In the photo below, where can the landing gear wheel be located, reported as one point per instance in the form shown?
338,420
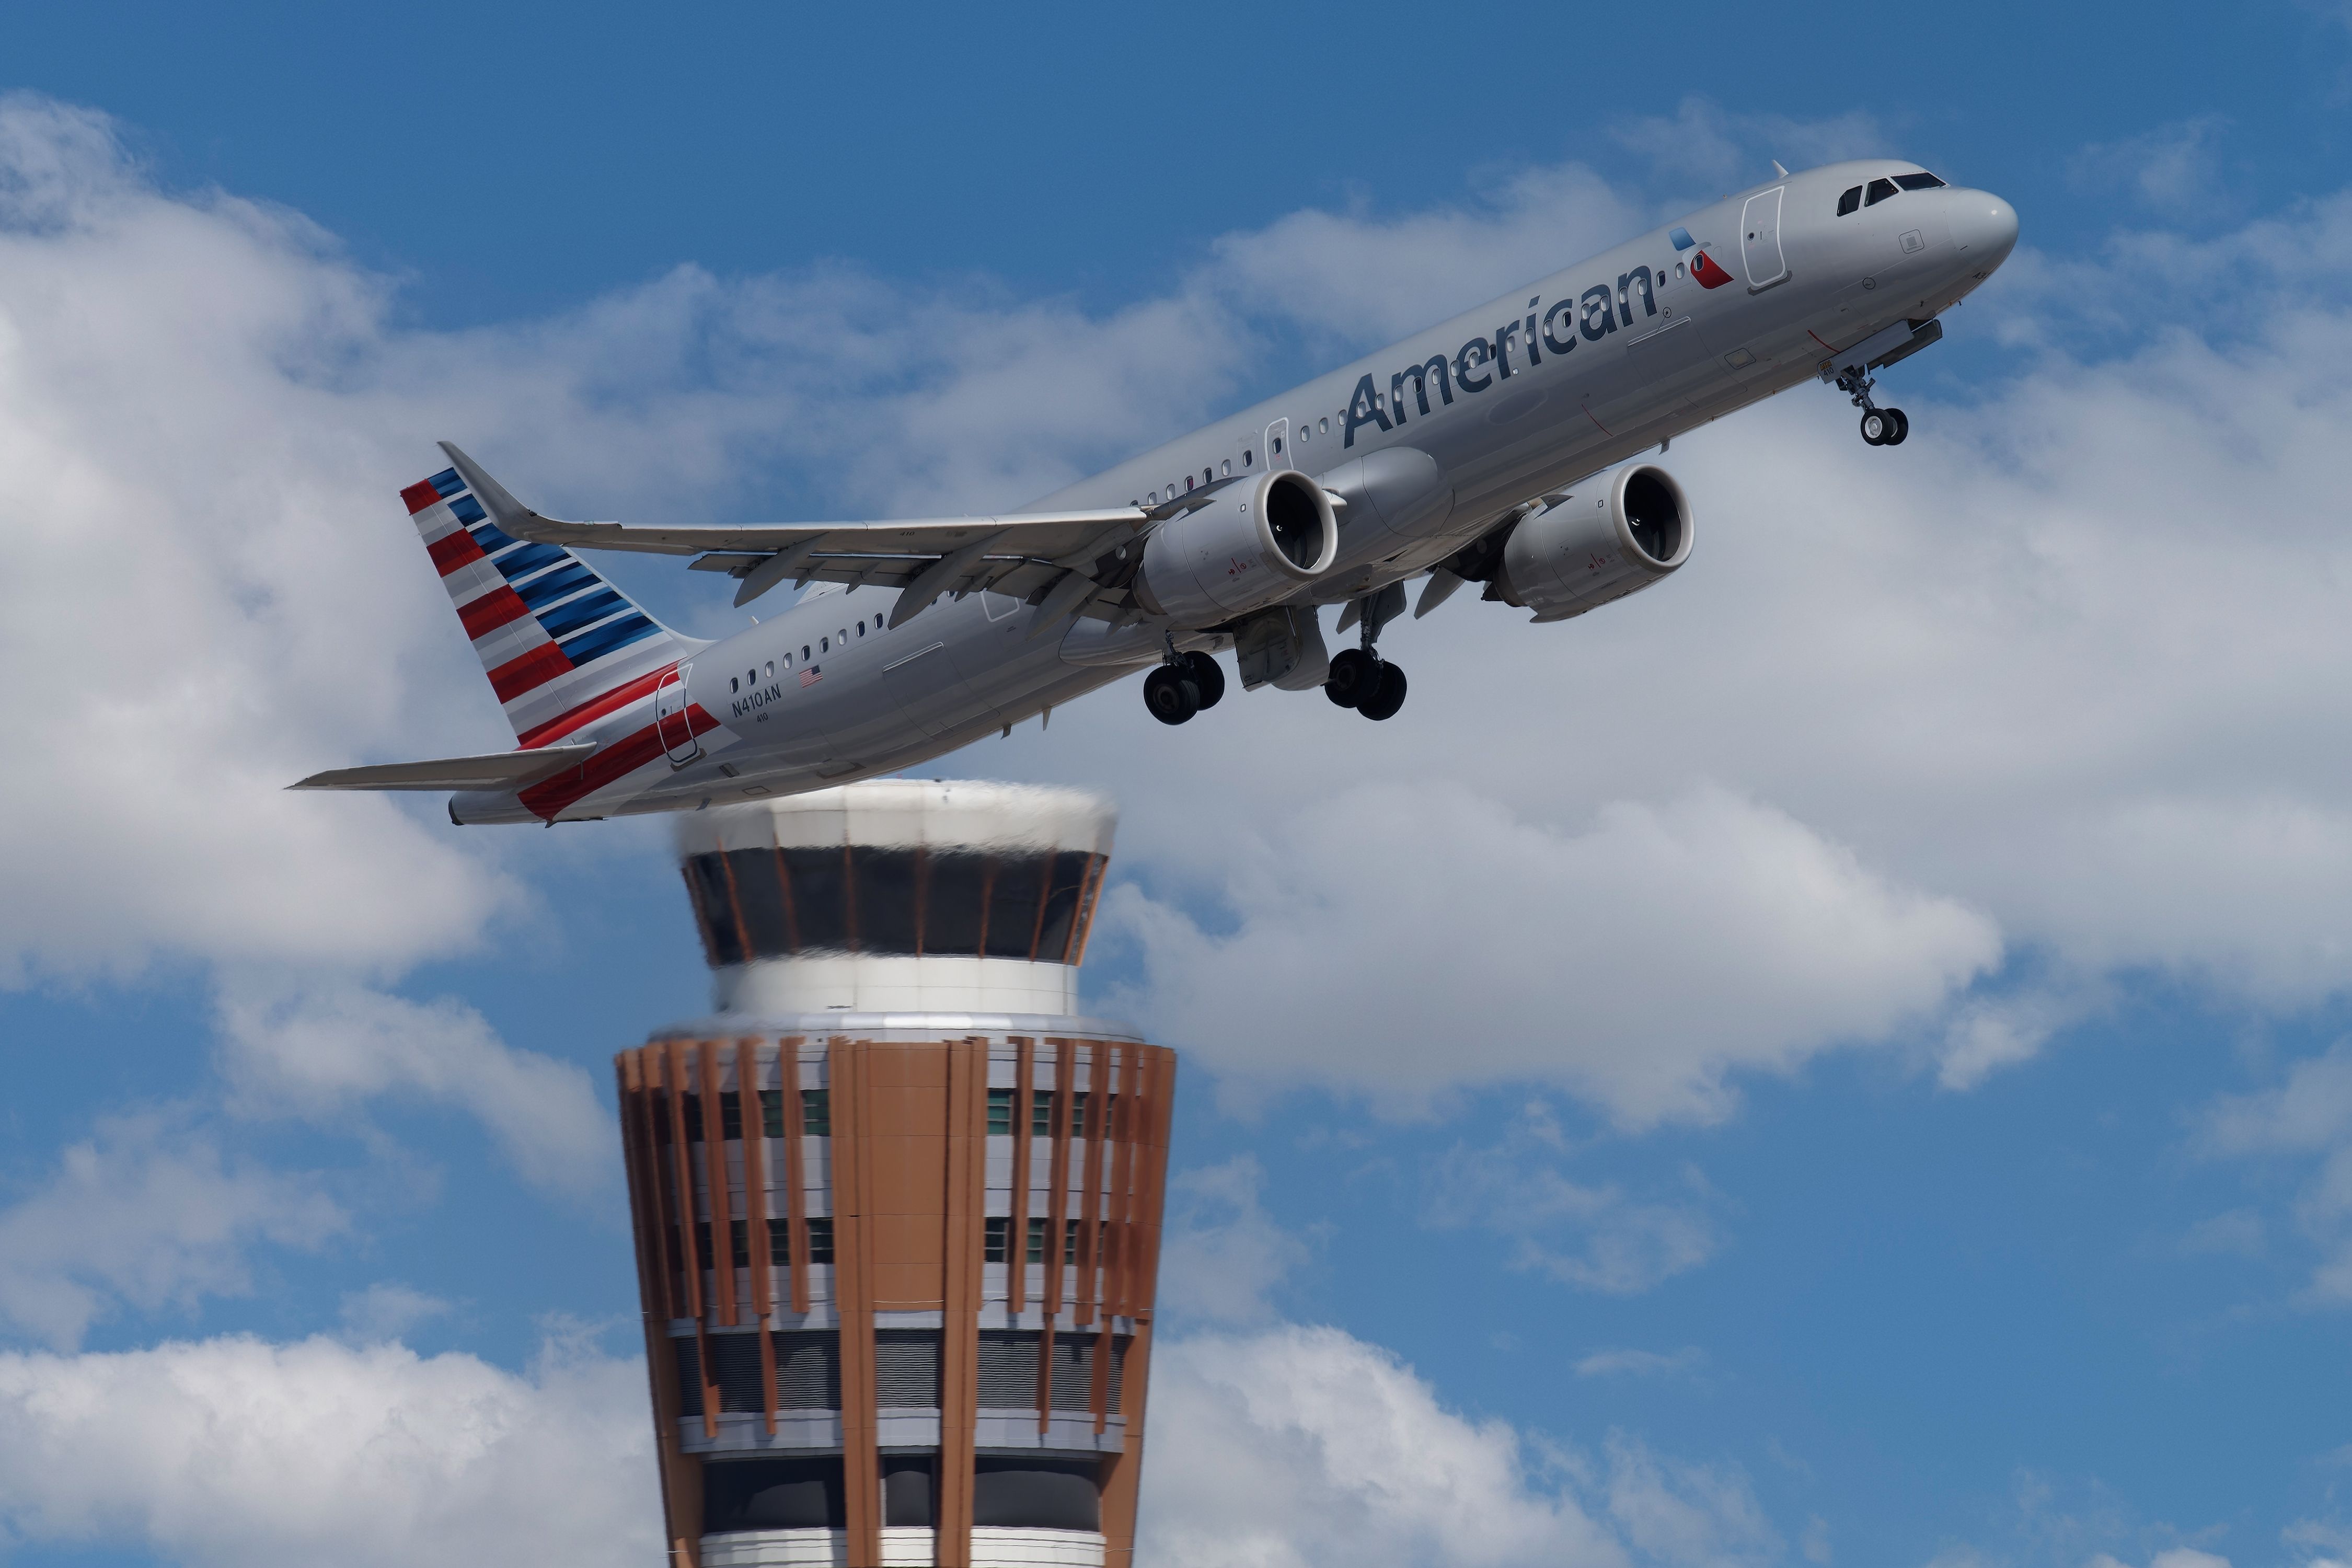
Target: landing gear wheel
1878,426
1171,695
1355,675
1384,699
1208,676
1902,425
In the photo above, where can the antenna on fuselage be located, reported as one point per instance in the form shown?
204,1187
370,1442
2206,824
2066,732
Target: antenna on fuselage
1778,169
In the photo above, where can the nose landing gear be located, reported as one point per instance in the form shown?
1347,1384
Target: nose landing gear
1886,426
1880,427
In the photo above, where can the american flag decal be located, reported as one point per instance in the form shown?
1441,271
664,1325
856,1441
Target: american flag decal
812,675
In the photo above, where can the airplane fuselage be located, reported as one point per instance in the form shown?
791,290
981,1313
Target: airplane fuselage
1430,441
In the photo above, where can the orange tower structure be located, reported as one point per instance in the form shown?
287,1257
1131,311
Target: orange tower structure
896,1205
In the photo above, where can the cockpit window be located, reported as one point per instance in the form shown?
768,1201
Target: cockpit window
1921,181
1879,191
1848,202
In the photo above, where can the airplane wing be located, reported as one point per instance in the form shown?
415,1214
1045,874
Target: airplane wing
498,770
1052,555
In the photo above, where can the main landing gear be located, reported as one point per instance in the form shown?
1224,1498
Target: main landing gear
1880,427
1361,678
1182,686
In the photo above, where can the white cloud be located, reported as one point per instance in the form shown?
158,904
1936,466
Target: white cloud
2174,169
388,1311
1594,1237
194,590
1303,1447
1414,937
320,1052
2308,1115
151,1213
2172,1557
1640,1363
233,1451
1222,1253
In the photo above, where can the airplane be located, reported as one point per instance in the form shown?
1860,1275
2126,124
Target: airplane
1496,448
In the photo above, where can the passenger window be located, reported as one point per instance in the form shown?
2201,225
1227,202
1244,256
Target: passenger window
1188,484
1850,201
861,628
750,677
1678,269
1228,465
1153,498
1324,425
804,653
1920,182
843,634
1879,191
1248,457
1208,476
733,684
1278,445
772,670
825,645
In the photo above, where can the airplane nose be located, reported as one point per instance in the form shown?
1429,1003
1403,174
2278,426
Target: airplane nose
1984,227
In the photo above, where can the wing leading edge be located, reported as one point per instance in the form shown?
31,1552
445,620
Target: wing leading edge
1040,556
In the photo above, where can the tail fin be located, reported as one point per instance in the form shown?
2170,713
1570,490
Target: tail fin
561,646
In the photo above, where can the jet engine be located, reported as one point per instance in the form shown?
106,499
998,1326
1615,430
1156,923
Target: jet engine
1250,547
1589,549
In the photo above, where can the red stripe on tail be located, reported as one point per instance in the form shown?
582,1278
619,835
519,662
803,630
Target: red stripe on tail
454,550
491,611
419,496
531,671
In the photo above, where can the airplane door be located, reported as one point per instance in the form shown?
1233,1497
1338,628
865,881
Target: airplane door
670,724
1277,447
1759,241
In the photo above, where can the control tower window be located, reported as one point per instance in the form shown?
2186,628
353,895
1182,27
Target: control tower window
1919,182
820,1232
1850,201
1032,906
1879,191
1000,1112
1024,1493
774,1494
996,1234
816,1119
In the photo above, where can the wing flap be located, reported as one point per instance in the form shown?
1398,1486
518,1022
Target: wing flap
497,770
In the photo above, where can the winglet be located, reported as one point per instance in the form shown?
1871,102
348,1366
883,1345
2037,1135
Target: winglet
504,509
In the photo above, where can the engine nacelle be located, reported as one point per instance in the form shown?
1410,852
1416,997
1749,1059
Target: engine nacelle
1250,547
1589,549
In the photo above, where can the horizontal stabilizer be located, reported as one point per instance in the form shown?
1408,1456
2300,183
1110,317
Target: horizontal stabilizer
498,770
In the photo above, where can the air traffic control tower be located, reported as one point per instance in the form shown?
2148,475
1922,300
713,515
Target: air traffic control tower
896,1205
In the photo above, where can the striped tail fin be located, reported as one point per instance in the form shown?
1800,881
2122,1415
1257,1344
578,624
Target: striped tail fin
561,646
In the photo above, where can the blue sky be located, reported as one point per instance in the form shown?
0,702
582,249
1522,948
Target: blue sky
1891,978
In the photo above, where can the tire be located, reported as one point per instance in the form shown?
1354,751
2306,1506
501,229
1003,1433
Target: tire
1875,426
1383,702
1171,695
1354,675
1902,426
1207,675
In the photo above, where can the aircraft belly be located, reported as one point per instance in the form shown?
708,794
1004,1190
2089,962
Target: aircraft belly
926,674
